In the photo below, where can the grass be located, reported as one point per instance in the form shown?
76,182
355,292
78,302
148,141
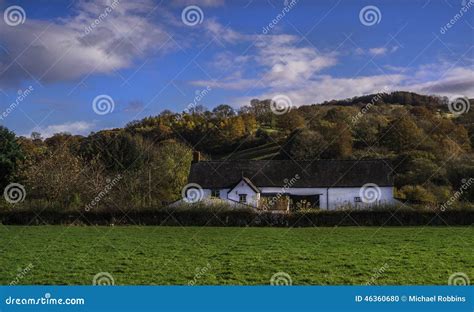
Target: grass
239,256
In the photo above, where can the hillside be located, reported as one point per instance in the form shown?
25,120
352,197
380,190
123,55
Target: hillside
426,140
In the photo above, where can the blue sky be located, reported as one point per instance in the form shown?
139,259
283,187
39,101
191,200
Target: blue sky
147,56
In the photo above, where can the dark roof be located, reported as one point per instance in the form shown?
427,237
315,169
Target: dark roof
278,173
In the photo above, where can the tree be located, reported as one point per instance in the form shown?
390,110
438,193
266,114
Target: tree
55,177
36,136
339,114
160,179
237,128
419,171
118,150
403,135
198,109
223,111
250,123
367,130
290,121
261,110
64,139
10,156
339,140
305,144
460,175
166,112
417,193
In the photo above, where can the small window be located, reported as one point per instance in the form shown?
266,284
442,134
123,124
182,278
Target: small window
357,199
215,193
242,198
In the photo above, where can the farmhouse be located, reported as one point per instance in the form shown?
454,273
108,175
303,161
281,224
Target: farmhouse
290,185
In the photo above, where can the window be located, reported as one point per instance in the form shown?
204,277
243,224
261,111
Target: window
242,198
357,199
215,193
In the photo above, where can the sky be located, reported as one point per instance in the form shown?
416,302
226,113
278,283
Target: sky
82,66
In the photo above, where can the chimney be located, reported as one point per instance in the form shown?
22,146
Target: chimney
196,157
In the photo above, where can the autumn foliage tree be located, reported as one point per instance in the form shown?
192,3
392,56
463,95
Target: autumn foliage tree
429,148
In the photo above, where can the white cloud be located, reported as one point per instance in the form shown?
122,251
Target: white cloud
455,81
71,47
359,51
203,3
399,69
222,33
77,127
378,51
288,63
281,61
281,64
327,88
230,84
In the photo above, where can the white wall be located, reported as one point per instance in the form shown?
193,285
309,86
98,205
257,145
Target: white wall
345,196
252,197
243,188
339,196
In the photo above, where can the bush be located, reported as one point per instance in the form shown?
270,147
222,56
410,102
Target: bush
245,217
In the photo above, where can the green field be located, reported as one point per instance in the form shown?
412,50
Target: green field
242,256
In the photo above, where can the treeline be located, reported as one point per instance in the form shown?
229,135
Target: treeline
112,170
145,164
399,97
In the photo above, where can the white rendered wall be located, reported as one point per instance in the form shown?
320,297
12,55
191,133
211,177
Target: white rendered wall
339,196
344,196
243,188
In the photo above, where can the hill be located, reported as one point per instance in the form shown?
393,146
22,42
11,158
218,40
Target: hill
426,140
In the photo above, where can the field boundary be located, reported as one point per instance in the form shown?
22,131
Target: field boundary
241,218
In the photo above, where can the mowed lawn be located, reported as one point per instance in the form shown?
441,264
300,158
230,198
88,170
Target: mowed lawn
237,256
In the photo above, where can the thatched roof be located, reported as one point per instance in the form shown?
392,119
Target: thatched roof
278,173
